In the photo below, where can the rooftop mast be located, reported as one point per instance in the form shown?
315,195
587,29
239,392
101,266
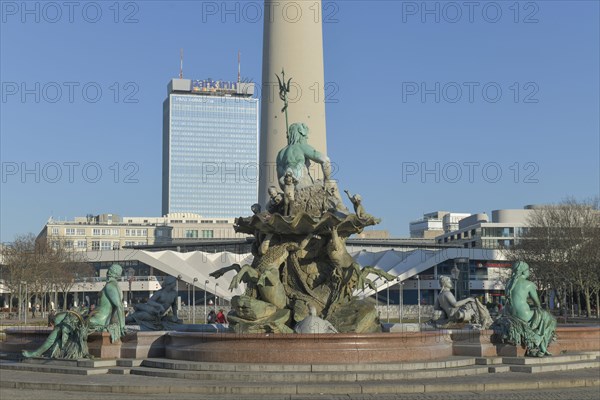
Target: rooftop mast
239,67
181,64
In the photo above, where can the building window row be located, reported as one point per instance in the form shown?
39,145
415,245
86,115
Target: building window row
75,231
105,232
191,233
498,232
136,232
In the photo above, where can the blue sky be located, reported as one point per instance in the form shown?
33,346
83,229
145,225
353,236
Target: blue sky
510,89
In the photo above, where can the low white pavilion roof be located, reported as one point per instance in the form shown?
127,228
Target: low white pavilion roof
403,264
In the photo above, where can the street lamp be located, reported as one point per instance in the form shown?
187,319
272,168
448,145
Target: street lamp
388,302
26,305
216,297
177,297
572,302
205,283
455,272
194,301
419,297
130,273
84,282
189,289
400,298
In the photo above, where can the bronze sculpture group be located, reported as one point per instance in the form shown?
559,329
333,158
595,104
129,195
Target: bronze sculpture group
302,277
523,322
300,257
301,266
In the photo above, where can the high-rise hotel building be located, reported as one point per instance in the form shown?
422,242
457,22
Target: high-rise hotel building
210,148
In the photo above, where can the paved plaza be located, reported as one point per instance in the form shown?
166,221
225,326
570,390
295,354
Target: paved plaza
591,393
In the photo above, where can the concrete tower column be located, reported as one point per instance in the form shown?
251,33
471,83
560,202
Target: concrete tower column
293,40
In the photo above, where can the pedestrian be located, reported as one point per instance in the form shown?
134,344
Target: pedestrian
211,318
51,317
221,318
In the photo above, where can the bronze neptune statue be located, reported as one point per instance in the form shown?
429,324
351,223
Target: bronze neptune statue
301,269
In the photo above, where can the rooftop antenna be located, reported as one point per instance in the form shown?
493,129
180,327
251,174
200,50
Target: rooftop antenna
180,63
239,67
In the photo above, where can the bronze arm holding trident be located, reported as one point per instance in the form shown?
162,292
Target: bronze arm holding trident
284,89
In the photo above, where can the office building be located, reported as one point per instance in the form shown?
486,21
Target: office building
210,148
112,232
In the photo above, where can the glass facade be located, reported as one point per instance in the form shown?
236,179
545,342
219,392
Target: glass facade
498,232
212,160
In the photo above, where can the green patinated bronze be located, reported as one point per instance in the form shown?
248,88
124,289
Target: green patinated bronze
154,314
302,270
69,337
295,158
450,312
522,324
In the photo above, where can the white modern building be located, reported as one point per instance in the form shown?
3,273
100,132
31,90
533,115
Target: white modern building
435,223
477,231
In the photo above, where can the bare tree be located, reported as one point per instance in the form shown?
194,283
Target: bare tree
67,265
562,245
41,266
19,257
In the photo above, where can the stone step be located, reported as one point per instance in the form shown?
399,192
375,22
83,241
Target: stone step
10,356
87,363
549,360
307,377
536,368
422,374
48,361
488,360
453,362
308,374
52,368
84,362
498,369
129,362
140,386
119,370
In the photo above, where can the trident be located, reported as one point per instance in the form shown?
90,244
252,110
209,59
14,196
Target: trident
284,89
